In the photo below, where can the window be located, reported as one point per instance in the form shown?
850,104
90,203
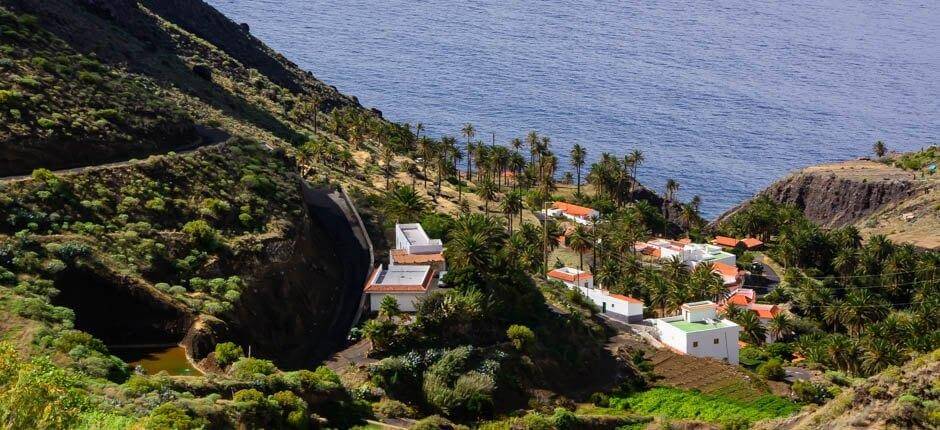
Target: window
612,304
694,344
715,341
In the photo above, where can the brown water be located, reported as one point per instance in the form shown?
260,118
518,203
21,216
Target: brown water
156,358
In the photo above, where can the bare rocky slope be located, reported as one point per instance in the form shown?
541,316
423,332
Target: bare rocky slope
876,197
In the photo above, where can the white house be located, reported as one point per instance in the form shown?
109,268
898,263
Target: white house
578,214
617,306
690,253
414,247
699,332
406,283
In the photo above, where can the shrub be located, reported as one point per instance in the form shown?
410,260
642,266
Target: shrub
10,98
171,416
202,234
251,368
156,204
521,336
393,409
810,392
564,419
600,400
436,422
772,370
227,353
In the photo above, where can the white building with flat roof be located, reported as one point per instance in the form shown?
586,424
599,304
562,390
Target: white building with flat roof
690,253
406,283
699,332
617,306
414,247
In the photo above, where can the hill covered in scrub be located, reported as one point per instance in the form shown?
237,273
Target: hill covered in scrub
897,196
906,397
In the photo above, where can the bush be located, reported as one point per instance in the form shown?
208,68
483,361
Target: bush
202,234
436,422
171,416
521,337
600,400
393,409
564,419
772,370
810,392
227,353
252,368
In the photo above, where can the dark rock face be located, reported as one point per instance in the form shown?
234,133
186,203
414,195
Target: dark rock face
835,202
303,291
832,201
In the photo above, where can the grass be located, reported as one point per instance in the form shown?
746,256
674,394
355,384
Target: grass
680,404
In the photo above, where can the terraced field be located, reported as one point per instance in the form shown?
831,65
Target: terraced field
705,375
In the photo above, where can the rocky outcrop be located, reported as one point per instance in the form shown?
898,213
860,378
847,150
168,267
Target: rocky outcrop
304,289
842,194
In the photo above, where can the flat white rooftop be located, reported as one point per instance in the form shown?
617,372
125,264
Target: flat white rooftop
415,235
403,275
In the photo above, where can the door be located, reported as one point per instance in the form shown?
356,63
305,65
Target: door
604,308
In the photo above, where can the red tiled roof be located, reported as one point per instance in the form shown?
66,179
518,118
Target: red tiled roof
626,298
725,269
685,241
765,311
738,300
653,251
564,276
751,243
402,256
729,242
573,210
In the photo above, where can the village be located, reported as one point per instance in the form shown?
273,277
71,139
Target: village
417,265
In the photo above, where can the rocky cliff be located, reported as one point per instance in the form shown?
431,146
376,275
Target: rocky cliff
876,197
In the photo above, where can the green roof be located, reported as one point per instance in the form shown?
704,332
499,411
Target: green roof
690,327
717,256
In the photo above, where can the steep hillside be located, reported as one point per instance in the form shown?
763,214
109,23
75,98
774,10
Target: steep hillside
898,398
87,82
878,197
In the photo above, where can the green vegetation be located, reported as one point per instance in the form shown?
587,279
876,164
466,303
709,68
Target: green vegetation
918,161
680,404
858,308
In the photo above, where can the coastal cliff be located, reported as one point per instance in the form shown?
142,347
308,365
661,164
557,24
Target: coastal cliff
875,196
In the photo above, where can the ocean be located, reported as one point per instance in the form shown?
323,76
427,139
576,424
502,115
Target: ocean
724,96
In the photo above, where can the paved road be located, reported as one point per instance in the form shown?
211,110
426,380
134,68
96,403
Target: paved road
209,137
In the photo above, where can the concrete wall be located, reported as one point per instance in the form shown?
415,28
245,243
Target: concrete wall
406,301
627,311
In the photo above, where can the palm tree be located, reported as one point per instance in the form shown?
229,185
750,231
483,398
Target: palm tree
387,156
878,354
474,241
346,159
880,149
636,158
580,241
419,127
532,140
469,132
426,152
404,204
577,160
751,327
487,191
780,325
512,205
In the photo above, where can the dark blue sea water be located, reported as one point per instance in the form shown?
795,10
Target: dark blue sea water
725,96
